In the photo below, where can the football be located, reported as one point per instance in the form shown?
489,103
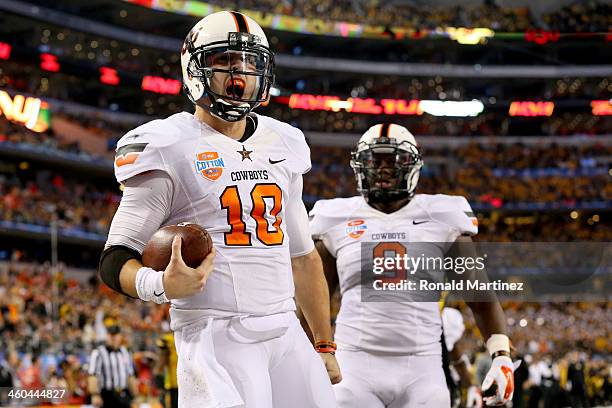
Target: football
196,245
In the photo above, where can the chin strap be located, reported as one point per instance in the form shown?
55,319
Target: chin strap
230,112
225,110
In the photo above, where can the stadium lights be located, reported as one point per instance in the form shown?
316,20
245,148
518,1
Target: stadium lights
384,106
5,51
470,36
417,107
601,108
452,108
48,62
401,107
335,104
530,108
28,111
274,91
109,76
161,85
542,37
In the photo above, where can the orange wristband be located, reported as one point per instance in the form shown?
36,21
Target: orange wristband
325,347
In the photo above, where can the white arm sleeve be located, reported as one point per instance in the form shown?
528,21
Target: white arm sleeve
145,205
300,241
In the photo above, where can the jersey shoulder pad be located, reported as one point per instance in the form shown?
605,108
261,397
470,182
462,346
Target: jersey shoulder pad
325,214
294,140
140,149
455,211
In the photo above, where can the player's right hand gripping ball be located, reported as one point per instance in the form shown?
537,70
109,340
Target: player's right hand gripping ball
196,244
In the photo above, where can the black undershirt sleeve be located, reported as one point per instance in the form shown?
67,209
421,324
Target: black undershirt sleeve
111,262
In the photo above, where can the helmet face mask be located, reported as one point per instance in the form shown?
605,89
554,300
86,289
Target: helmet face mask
229,77
385,169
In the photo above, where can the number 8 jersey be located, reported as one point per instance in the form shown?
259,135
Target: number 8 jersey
247,194
394,327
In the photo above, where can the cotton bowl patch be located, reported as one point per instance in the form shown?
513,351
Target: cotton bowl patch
209,165
356,228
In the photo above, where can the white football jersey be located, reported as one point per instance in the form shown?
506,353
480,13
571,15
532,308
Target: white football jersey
343,224
239,192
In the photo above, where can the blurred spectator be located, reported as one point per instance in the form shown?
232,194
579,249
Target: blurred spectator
576,382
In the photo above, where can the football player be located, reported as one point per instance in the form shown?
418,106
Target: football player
390,352
239,175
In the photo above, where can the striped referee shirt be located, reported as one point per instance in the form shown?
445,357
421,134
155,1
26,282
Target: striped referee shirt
111,367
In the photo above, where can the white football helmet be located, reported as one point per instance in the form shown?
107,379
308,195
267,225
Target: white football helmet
387,163
226,59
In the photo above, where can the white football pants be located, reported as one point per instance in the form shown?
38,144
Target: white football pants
390,381
251,362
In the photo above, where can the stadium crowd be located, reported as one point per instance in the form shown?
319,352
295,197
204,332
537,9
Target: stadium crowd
399,14
49,324
589,16
49,142
493,177
578,16
43,197
485,174
13,134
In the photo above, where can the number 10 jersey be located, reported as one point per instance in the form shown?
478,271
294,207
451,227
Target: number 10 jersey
245,193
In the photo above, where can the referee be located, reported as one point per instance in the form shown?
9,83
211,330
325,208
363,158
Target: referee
111,373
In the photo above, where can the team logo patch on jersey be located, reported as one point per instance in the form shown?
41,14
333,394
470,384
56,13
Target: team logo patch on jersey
356,228
209,165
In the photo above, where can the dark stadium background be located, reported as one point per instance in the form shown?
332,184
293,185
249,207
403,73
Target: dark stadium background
534,160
